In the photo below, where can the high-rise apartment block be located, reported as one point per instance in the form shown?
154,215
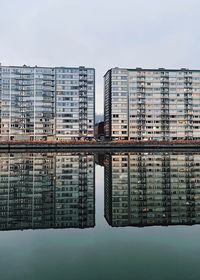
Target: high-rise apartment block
46,103
152,104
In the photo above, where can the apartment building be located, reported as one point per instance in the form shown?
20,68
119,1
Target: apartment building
46,103
152,104
146,189
39,191
75,102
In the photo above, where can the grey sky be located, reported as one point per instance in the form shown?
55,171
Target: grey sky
100,34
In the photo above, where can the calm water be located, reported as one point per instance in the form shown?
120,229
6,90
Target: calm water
108,216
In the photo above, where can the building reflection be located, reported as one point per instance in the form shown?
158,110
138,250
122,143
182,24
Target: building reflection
47,190
146,189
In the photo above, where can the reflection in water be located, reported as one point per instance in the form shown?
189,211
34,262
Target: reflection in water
54,190
46,191
144,189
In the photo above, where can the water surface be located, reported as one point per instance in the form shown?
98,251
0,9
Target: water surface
87,216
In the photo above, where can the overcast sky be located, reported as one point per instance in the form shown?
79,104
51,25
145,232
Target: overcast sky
100,34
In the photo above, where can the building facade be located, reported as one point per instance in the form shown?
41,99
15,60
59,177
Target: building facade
155,188
99,130
46,103
152,104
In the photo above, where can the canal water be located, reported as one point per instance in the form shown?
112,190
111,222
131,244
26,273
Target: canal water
122,215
